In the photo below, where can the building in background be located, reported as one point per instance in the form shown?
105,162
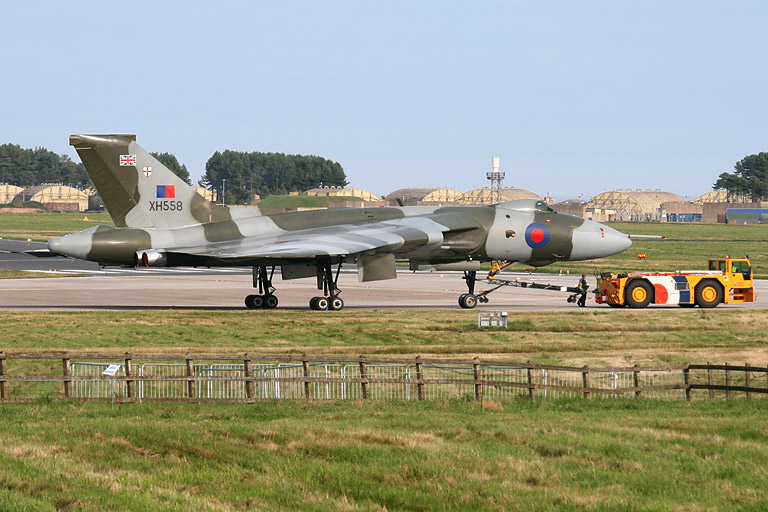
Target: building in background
56,198
8,192
341,192
630,205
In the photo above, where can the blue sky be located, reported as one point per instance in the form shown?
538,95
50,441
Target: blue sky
575,97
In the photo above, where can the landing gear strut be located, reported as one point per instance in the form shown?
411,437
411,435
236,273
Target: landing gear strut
262,280
327,282
470,300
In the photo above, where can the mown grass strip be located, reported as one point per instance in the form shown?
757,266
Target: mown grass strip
519,455
600,338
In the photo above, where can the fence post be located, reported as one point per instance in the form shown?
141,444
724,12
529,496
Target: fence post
747,380
307,384
530,380
363,377
727,382
3,396
190,373
249,387
585,380
128,373
67,376
687,382
636,376
478,380
419,378
711,380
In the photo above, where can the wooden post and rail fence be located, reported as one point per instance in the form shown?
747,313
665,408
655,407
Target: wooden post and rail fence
259,377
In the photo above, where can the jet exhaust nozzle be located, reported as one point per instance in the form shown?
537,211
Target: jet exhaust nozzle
151,258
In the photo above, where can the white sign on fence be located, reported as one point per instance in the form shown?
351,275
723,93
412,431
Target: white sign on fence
111,370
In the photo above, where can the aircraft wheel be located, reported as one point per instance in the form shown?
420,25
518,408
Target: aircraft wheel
468,301
322,304
258,301
336,304
638,293
249,302
270,302
709,294
461,299
313,303
483,299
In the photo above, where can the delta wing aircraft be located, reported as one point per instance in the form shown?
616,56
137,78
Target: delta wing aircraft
162,222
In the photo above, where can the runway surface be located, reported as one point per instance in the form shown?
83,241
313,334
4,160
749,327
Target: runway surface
202,288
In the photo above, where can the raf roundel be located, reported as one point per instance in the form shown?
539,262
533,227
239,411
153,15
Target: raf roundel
537,235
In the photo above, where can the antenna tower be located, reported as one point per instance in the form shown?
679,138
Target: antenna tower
495,177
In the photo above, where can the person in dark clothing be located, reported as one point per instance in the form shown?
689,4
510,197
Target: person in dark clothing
583,286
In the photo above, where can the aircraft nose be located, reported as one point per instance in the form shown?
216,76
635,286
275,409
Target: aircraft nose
593,240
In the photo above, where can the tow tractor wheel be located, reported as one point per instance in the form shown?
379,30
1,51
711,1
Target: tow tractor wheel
336,304
467,301
638,294
709,294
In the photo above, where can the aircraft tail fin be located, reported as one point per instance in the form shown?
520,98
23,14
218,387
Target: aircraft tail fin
138,190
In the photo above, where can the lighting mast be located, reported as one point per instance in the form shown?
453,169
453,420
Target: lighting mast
495,177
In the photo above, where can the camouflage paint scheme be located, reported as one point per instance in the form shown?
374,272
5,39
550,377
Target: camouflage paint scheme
163,221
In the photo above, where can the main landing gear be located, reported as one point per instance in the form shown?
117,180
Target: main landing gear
263,281
327,282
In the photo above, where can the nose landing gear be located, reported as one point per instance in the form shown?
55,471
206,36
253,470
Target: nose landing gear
470,300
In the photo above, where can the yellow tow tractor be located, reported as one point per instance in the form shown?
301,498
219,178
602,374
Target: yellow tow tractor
727,280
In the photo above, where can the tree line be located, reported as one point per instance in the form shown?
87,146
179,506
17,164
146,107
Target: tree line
28,167
238,175
748,182
241,175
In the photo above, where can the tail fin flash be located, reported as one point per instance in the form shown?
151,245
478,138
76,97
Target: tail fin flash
137,189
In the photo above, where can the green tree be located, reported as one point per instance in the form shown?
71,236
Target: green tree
749,179
28,167
268,173
171,162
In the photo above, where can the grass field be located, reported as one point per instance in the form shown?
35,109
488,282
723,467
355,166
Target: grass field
42,226
446,455
520,455
599,338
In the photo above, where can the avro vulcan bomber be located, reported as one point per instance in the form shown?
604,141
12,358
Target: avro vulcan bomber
162,222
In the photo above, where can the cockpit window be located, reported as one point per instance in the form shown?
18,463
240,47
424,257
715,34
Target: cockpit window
527,205
544,207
